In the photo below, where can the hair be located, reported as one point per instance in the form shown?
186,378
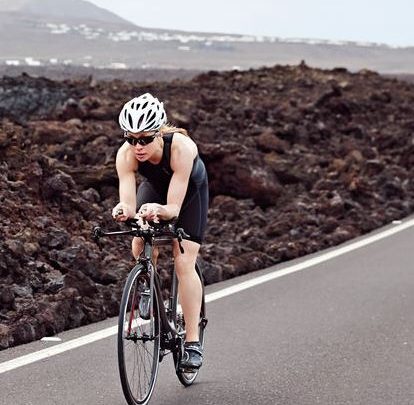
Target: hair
168,128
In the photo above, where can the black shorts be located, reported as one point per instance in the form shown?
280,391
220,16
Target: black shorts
193,213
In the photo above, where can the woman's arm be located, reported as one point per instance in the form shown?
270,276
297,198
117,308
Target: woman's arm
126,166
182,158
183,153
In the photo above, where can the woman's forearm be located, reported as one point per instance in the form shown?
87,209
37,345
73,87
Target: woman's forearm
172,210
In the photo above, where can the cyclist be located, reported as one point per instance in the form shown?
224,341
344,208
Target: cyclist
175,185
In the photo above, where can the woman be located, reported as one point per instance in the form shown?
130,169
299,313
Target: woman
175,185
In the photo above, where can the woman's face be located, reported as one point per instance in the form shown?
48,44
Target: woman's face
145,144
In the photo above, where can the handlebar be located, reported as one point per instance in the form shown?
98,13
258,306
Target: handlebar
151,231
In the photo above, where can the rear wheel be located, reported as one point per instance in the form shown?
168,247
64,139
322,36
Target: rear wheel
187,378
138,338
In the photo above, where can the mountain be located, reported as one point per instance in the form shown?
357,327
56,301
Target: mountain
75,32
60,9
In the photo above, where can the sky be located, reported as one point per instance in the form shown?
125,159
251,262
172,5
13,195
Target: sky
381,21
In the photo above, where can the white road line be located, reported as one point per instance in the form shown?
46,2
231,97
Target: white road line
104,333
308,263
57,349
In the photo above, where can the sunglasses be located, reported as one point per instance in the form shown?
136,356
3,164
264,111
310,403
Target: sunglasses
146,140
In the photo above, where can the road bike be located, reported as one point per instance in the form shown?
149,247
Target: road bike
151,325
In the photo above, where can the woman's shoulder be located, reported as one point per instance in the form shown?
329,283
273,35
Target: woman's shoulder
183,142
125,158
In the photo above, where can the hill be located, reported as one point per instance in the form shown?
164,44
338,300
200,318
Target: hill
68,10
75,32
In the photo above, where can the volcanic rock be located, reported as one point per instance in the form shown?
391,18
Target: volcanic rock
298,159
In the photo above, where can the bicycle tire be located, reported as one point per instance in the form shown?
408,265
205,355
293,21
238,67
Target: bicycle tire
135,335
187,378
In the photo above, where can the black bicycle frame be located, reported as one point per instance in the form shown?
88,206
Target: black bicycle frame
170,339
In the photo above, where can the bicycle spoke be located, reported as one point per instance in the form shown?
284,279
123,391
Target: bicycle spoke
143,360
149,353
133,373
138,363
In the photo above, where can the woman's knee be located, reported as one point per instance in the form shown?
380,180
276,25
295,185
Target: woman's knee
185,261
138,247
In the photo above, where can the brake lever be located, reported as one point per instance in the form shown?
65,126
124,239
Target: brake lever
180,234
97,233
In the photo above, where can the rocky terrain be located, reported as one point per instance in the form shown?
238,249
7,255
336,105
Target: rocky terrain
299,160
90,73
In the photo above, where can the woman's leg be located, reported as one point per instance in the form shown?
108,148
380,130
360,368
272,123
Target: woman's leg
138,246
189,286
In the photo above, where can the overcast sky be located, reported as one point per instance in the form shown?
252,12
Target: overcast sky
383,21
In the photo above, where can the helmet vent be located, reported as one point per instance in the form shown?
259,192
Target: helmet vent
151,117
141,118
149,125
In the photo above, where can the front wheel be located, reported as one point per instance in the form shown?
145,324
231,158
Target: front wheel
187,378
138,338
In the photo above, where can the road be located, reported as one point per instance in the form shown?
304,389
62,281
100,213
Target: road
338,332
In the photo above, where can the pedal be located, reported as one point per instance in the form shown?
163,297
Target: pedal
188,370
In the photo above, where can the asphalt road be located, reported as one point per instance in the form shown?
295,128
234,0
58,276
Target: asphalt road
340,332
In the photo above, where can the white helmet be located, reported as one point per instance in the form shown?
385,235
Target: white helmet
142,113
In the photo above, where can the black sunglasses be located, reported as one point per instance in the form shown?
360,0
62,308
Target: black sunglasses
146,140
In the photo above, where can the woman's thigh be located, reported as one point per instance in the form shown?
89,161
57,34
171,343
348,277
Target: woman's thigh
147,193
193,215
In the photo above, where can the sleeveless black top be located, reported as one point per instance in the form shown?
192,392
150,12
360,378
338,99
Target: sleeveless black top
159,175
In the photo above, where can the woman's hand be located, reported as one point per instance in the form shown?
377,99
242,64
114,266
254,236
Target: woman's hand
121,212
154,212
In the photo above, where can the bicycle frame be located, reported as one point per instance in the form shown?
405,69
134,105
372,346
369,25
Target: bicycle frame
171,339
